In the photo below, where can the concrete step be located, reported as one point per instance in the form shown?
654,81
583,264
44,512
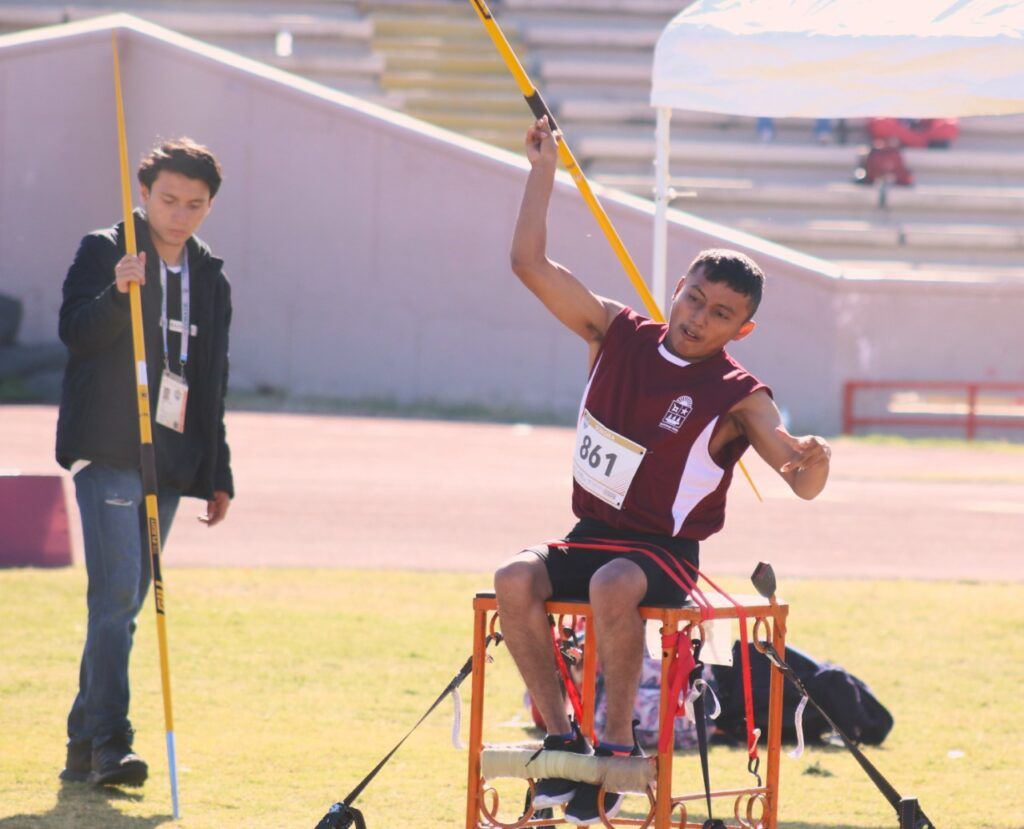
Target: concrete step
875,235
663,10
498,139
509,127
319,65
591,69
429,80
573,35
419,8
265,47
730,154
205,25
15,17
318,7
634,147
1005,164
831,196
449,27
435,44
365,91
205,20
486,103
982,133
476,63
931,271
995,134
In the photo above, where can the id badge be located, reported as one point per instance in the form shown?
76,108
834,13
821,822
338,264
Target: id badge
170,407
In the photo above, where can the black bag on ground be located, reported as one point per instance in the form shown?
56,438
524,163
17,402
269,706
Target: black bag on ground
848,701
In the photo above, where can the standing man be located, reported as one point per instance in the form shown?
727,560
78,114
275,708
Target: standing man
666,414
186,311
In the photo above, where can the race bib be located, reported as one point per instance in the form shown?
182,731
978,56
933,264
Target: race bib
604,462
171,401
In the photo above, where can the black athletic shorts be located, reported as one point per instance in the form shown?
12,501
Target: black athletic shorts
570,569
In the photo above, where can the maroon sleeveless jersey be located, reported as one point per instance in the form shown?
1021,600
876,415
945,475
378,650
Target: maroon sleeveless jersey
641,459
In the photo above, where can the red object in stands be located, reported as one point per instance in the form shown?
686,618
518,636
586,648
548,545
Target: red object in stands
923,133
886,164
34,528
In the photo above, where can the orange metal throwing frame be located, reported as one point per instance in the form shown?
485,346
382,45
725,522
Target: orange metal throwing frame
767,620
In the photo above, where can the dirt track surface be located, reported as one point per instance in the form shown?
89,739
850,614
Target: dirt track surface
334,491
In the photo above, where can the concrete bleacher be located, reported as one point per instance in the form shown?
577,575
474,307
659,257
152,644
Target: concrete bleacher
442,64
960,220
591,60
329,42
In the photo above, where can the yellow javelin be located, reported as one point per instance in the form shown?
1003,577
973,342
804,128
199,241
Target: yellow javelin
540,109
146,451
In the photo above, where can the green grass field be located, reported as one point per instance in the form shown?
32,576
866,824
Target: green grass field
289,685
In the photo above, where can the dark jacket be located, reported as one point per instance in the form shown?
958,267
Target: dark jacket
99,409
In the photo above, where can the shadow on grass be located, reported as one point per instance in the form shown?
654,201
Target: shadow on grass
785,824
86,807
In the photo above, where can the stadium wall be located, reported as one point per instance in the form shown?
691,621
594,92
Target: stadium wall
368,251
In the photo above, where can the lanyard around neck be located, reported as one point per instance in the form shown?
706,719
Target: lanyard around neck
185,327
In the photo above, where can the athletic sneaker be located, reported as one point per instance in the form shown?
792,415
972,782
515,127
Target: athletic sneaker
554,791
79,761
114,762
583,810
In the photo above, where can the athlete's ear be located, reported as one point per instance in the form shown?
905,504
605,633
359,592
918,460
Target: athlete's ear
679,287
745,330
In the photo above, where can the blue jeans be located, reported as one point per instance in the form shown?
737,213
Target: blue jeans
117,561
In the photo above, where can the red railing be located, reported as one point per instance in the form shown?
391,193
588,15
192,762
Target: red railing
938,403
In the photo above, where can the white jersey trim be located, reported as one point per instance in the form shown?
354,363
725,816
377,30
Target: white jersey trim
672,358
586,390
701,476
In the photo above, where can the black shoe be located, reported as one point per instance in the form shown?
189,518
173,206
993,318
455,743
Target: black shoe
583,811
79,761
114,762
554,791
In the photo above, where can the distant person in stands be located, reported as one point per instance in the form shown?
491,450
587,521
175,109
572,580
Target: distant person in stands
933,133
884,161
186,305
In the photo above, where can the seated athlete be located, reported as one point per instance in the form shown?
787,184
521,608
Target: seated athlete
666,414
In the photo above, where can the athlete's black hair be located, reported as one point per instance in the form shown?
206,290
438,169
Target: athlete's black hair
735,269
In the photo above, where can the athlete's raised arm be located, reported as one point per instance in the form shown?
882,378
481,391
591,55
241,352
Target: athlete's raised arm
803,462
580,310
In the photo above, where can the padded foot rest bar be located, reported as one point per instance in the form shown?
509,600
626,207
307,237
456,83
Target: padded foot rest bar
616,774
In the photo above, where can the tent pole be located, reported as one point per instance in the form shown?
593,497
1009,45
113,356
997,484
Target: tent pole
662,196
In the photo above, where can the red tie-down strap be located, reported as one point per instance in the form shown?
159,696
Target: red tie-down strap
679,672
674,569
753,734
571,690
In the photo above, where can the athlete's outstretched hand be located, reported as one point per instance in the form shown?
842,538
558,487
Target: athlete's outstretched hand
540,143
810,451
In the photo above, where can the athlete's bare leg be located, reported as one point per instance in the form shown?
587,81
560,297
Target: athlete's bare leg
616,591
522,586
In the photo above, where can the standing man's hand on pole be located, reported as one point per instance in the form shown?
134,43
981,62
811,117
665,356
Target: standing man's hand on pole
216,509
130,269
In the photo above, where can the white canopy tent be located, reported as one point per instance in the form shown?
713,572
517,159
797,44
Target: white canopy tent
833,59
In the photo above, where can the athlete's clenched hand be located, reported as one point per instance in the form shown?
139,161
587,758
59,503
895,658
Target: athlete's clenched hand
540,143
